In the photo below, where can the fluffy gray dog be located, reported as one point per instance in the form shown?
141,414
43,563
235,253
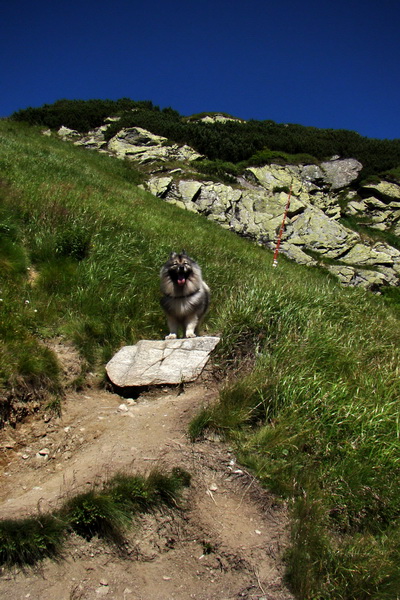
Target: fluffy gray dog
186,296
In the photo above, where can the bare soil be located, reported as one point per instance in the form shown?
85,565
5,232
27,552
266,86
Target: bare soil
225,543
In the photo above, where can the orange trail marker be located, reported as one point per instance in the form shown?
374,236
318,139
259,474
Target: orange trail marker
278,243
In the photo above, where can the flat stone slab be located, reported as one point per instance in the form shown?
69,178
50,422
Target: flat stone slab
156,362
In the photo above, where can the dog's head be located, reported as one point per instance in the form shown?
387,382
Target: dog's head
180,267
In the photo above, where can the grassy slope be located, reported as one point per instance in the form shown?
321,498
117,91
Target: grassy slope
313,405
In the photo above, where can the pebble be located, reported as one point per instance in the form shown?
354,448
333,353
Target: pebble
42,456
8,445
102,591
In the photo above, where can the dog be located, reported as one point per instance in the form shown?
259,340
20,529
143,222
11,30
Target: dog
186,296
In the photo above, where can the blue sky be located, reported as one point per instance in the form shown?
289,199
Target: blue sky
330,64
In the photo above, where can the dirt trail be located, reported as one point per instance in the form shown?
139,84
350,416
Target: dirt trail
226,544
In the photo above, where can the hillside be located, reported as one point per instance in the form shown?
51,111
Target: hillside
306,372
338,218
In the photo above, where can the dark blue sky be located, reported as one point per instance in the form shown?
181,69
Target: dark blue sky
331,64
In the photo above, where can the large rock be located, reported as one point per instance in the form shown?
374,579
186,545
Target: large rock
370,280
159,186
140,145
94,140
340,173
335,174
156,362
361,254
67,134
385,188
272,177
315,231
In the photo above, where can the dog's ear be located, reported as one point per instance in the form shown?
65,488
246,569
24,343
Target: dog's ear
172,255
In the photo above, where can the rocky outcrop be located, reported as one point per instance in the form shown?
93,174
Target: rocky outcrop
378,205
133,143
217,118
254,206
142,146
313,232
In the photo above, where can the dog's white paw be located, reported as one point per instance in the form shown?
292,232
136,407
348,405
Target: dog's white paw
190,334
171,336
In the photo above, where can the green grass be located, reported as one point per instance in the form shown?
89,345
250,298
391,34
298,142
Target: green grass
25,542
311,400
316,420
369,233
106,513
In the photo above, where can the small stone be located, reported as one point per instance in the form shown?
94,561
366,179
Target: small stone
44,452
8,445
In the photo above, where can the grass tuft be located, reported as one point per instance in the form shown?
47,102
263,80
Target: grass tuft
29,541
92,513
106,513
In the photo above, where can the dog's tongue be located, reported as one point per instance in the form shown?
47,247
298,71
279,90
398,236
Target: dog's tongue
181,281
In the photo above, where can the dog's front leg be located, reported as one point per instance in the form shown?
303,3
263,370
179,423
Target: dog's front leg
173,328
190,326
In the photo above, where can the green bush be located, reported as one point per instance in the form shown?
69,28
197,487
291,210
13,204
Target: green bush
229,142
